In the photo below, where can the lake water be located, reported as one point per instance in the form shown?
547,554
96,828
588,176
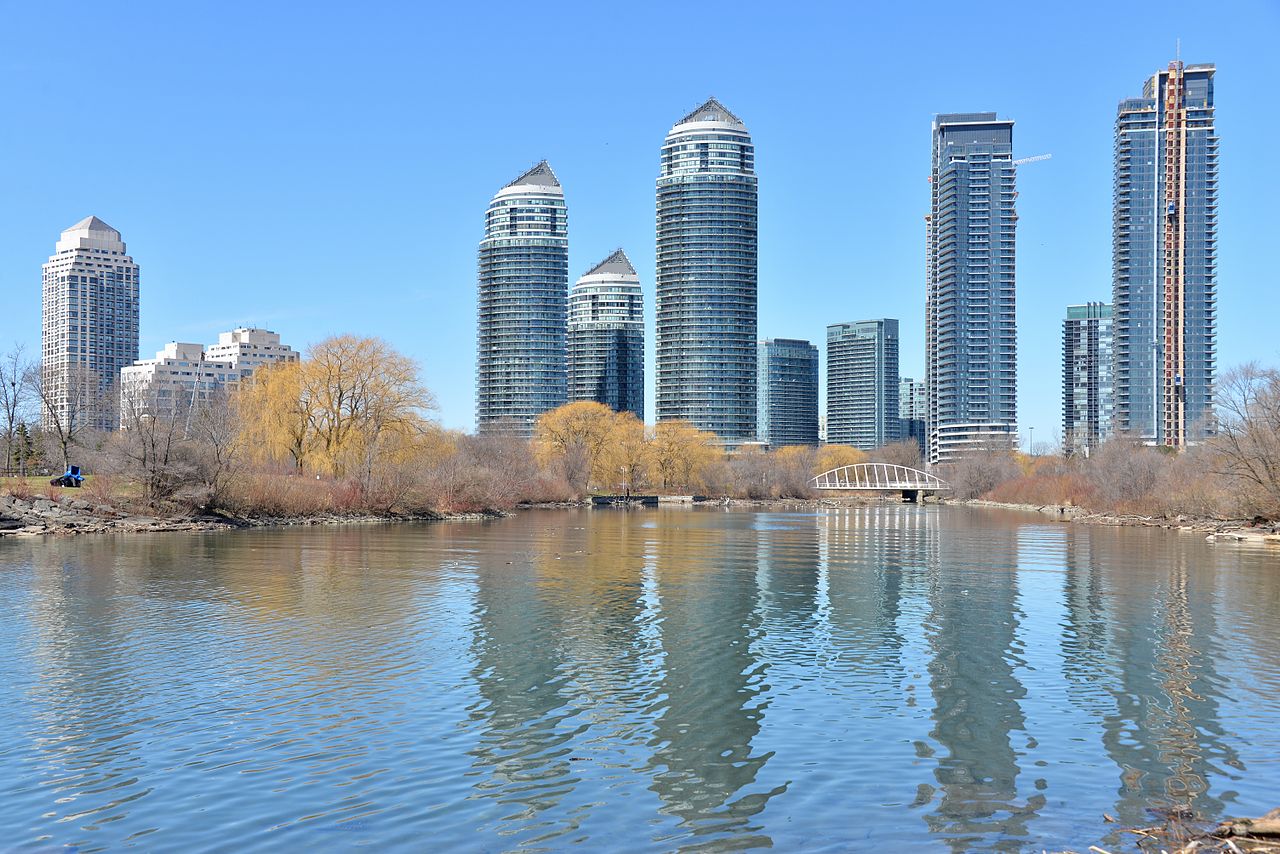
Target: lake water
882,678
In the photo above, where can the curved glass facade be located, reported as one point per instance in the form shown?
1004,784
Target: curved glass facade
523,282
706,275
606,336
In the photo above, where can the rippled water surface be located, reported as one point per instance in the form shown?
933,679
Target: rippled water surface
891,677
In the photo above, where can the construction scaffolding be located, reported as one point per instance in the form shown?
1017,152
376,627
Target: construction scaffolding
1174,404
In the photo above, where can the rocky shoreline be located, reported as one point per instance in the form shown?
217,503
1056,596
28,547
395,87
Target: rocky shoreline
68,515
41,516
1215,530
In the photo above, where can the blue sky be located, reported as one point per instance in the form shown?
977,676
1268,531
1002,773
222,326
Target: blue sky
324,168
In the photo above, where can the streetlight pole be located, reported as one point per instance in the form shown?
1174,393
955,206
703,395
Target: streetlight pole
1031,441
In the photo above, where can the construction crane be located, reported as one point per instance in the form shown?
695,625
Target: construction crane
1021,162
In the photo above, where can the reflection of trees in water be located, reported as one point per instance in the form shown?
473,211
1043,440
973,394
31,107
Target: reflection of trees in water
971,631
712,687
82,694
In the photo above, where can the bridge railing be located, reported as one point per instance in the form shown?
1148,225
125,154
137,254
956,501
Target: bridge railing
879,476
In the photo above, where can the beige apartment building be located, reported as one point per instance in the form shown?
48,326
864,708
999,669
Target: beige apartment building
182,375
89,324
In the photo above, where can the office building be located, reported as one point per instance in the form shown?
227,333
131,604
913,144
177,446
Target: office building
862,383
971,353
523,285
89,325
606,336
913,406
706,275
183,375
787,389
1087,386
1164,283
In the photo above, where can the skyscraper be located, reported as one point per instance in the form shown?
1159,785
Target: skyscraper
1164,284
971,348
787,413
862,383
606,336
913,406
523,285
706,279
90,325
1086,376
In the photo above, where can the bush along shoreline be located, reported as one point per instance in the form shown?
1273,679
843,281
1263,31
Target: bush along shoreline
65,515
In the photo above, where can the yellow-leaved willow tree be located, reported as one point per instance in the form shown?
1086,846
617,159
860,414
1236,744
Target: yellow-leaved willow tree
350,406
682,454
591,445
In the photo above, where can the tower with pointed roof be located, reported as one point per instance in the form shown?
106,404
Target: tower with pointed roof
706,275
606,336
89,329
523,284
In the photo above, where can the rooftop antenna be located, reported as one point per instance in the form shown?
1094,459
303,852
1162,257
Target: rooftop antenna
1178,50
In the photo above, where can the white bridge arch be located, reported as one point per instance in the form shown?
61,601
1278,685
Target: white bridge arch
872,477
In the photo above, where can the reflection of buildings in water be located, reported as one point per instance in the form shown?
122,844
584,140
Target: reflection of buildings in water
521,674
565,660
789,579
1086,632
871,558
711,704
971,632
1163,727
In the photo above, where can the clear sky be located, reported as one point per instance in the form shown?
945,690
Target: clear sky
324,167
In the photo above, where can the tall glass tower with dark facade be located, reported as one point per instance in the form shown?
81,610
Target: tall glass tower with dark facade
862,383
1164,282
971,338
606,336
787,387
523,285
706,275
1087,381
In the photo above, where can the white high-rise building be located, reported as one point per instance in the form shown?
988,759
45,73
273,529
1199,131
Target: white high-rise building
706,275
606,336
90,324
182,374
523,291
247,347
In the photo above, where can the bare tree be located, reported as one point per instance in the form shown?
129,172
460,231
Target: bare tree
218,445
72,404
149,445
980,471
1247,447
1123,473
904,453
14,394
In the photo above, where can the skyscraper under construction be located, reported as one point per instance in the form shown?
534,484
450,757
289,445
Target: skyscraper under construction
1164,278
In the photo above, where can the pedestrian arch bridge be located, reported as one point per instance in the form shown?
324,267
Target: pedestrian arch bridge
879,477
